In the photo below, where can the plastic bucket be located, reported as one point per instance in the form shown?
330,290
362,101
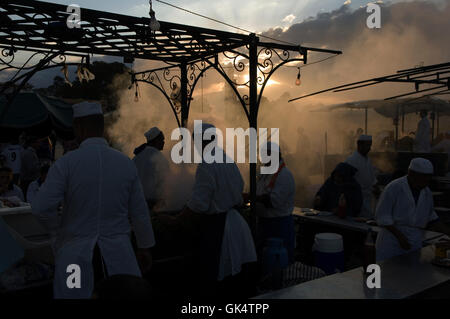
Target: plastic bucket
329,252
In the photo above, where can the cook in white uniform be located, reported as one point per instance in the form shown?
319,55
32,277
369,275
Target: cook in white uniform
422,142
365,176
405,209
152,167
225,242
101,194
275,196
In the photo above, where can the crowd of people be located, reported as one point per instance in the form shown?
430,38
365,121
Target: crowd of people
92,199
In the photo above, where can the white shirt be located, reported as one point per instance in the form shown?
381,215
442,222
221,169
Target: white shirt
365,176
422,143
282,195
12,154
152,168
32,190
397,207
218,188
101,194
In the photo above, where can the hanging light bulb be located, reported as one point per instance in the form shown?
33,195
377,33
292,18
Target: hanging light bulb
298,81
136,94
154,24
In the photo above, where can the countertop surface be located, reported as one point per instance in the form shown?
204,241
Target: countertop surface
401,277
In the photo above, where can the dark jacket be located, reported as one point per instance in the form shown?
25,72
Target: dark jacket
139,149
330,192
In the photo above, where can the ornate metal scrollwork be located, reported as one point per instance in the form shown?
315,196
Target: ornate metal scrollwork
169,79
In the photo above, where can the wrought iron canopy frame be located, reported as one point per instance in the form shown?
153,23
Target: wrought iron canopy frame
268,59
436,75
41,27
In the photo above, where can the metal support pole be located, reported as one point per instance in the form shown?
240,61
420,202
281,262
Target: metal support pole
403,120
396,120
437,123
433,119
365,121
253,121
184,95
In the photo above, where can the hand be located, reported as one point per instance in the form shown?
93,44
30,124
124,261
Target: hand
144,259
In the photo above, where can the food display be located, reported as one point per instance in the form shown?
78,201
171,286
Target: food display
442,254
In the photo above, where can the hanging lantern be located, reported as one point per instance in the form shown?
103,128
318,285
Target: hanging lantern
136,93
154,24
298,81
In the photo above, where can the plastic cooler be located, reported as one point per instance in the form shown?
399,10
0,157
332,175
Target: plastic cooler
328,251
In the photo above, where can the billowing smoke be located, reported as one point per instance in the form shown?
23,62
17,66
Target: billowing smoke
412,33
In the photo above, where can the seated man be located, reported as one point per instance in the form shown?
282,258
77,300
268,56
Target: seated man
340,183
10,192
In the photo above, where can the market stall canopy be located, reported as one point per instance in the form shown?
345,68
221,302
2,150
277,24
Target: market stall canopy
31,111
394,108
414,105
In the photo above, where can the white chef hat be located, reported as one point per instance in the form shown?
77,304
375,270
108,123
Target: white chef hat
152,133
365,138
421,165
86,108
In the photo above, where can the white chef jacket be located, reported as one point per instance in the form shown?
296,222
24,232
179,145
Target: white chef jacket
152,168
32,190
218,188
422,142
397,207
282,195
12,154
101,194
50,221
365,176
